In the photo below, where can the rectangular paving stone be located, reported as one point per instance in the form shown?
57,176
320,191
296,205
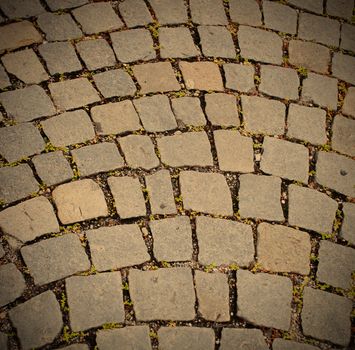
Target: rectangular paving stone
280,17
221,109
164,294
311,5
343,67
239,77
208,12
20,9
245,12
12,284
346,231
347,37
282,344
169,11
343,135
248,337
116,247
340,8
55,5
135,13
188,111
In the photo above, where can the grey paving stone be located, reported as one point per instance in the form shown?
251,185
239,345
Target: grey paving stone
55,258
59,26
20,141
133,45
169,11
164,294
337,172
208,12
4,79
260,45
236,247
34,331
201,76
156,77
16,183
264,299
115,118
347,37
280,17
69,128
136,337
12,284
283,344
96,53
52,168
206,192
172,239
60,57
347,231
78,201
239,77
311,209
212,291
135,13
340,8
139,151
21,8
188,111
245,12
349,102
242,157
177,43
262,115
155,113
321,90
97,158
55,5
326,316
320,29
311,5
116,247
160,192
343,67
259,197
185,149
128,196
73,93
25,65
18,34
94,300
3,341
97,17
221,109
343,136
283,249
27,104
246,337
307,123
279,81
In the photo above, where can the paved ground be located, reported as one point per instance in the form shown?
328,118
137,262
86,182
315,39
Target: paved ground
177,174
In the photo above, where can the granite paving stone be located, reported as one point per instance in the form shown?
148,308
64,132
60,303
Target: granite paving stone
94,300
208,12
21,8
283,344
12,284
4,79
3,341
116,247
280,17
347,37
343,135
55,258
247,337
55,5
164,294
349,102
339,8
343,67
311,5
346,231
239,77
188,111
169,11
245,12
221,109
135,13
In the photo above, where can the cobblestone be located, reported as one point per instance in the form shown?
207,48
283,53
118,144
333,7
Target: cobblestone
188,111
4,79
311,5
347,37
169,11
135,13
17,8
343,136
12,284
246,337
349,102
346,231
55,5
239,77
221,109
208,12
283,344
280,17
339,8
245,12
343,67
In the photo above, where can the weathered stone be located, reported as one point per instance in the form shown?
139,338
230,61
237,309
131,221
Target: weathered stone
164,294
283,344
347,37
188,111
55,5
21,8
206,192
259,197
169,11
252,338
311,5
343,67
245,12
3,341
34,331
221,109
311,209
349,102
343,136
94,300
12,284
280,17
55,258
347,232
128,196
80,200
116,247
326,316
135,13
339,8
224,242
4,79
264,299
208,12
239,77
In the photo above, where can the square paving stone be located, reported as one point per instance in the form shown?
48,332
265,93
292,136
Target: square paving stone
34,331
349,102
252,338
128,196
20,141
97,158
73,93
155,113
283,344
245,12
55,258
326,316
69,128
133,45
135,13
115,118
343,136
347,232
80,200
172,239
206,192
224,242
97,17
177,43
27,104
169,11
185,149
55,5
116,247
259,197
208,12
311,5
311,209
280,17
239,77
4,79
188,111
164,294
139,151
347,37
53,168
339,8
343,67
264,299
12,284
260,45
20,8
221,109
283,249
94,300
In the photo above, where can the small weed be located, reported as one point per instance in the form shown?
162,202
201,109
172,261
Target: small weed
154,29
210,267
128,303
110,326
325,148
178,199
153,335
312,173
165,264
257,145
233,267
302,71
125,286
63,302
67,336
179,93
